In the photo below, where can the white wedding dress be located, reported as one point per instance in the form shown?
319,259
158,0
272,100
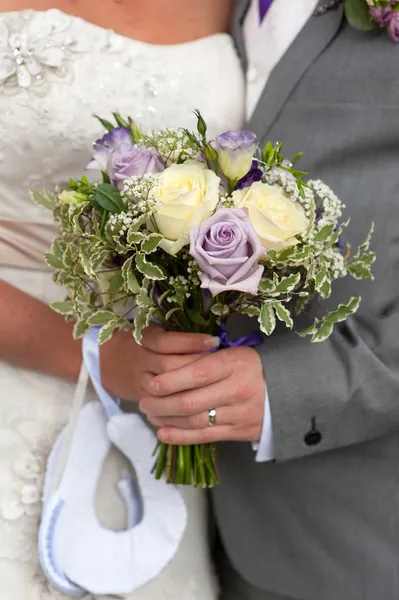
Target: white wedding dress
56,72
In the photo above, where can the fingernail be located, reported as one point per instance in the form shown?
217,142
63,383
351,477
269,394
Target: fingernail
154,386
212,342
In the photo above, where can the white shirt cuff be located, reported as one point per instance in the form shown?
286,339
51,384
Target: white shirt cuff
265,447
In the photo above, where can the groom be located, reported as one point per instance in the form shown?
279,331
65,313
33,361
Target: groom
314,514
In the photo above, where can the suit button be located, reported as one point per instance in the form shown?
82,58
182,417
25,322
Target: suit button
313,437
252,75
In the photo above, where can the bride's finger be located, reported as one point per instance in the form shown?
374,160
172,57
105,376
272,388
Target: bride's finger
171,342
199,373
165,363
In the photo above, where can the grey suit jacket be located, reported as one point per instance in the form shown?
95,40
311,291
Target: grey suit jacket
322,522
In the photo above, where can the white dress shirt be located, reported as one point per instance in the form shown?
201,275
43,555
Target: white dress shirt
265,44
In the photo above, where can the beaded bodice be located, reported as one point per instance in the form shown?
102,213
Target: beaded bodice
57,71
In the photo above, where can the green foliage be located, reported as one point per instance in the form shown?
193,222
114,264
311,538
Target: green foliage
131,283
147,268
357,13
109,198
109,254
267,319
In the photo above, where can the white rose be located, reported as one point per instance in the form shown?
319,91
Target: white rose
276,218
187,194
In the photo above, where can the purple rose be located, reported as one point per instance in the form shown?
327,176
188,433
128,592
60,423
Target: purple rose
381,15
235,153
130,161
227,248
113,140
393,27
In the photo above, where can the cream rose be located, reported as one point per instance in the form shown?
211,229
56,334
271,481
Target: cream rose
187,194
276,218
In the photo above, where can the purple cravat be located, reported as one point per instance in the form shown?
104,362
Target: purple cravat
264,6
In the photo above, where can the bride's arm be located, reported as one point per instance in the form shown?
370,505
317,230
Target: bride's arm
33,336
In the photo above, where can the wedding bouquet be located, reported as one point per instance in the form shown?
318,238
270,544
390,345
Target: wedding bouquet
187,231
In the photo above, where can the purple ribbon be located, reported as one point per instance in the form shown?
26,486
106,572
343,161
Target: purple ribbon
264,6
253,339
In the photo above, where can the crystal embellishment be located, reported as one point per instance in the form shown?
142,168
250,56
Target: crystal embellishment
35,48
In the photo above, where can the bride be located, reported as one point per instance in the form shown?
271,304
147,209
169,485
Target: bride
60,63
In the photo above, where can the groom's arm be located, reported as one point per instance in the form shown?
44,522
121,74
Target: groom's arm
343,391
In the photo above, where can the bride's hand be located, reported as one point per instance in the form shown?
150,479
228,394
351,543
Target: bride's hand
127,367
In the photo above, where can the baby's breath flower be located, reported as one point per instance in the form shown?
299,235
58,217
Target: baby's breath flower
171,144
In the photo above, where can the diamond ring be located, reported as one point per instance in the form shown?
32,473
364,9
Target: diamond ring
212,416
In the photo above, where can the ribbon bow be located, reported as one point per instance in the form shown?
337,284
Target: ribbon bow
253,339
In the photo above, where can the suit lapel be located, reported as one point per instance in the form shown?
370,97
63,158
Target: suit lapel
314,37
240,10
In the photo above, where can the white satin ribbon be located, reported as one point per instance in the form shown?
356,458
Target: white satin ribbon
77,554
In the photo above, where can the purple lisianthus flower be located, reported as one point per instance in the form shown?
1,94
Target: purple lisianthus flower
235,153
254,174
393,27
132,161
113,140
381,15
227,249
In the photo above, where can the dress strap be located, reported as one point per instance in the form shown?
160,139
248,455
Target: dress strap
90,368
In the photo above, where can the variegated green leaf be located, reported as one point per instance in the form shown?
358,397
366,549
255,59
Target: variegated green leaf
43,199
97,258
144,300
106,331
75,213
323,332
116,282
360,270
101,317
365,245
286,254
64,308
151,243
267,319
309,330
324,233
220,310
148,269
325,289
136,224
130,279
68,257
251,311
82,326
58,247
136,237
287,284
53,261
320,276
283,314
267,286
343,311
141,321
